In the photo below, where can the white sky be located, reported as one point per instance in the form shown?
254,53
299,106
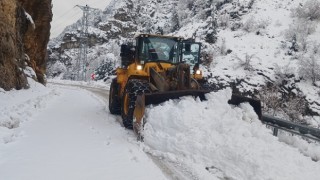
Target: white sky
65,12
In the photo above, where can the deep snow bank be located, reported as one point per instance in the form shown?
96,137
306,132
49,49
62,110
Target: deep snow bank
20,106
230,140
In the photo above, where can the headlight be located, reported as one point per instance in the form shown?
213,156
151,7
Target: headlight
198,72
139,67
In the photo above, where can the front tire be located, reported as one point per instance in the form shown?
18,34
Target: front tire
133,88
114,102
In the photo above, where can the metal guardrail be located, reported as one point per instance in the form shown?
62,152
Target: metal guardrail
295,128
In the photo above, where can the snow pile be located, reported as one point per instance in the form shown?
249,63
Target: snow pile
17,107
230,142
308,149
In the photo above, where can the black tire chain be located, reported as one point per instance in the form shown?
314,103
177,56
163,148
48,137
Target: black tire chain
135,87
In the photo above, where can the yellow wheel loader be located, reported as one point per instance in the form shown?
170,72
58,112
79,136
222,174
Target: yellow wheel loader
155,69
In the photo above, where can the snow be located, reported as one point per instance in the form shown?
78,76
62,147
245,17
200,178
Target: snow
229,139
65,132
20,106
29,17
29,72
308,149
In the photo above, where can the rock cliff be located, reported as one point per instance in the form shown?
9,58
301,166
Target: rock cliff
24,34
36,40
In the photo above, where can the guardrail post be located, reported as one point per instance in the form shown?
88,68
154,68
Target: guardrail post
275,131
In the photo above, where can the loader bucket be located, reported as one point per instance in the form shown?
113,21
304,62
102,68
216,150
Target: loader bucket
256,104
160,97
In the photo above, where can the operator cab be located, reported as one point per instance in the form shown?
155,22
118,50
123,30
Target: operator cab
161,49
155,48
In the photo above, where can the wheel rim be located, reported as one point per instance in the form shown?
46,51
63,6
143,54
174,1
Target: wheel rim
126,104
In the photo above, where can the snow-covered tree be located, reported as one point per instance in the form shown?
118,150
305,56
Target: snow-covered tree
309,68
57,68
106,69
298,33
310,10
271,99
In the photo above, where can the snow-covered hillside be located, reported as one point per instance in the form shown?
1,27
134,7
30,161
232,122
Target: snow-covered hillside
262,49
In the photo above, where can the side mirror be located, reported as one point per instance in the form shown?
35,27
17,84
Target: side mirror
127,54
187,47
124,49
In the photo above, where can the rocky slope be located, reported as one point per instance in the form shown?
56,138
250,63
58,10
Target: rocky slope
24,33
36,38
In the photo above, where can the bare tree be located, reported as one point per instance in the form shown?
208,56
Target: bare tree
294,107
223,47
309,11
271,99
283,73
309,68
298,32
224,19
246,63
207,57
250,24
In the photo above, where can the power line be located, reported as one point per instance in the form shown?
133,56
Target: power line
96,2
65,13
64,21
61,24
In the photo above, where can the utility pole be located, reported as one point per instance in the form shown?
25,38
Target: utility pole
82,61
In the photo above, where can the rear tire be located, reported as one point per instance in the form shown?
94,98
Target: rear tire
133,88
114,102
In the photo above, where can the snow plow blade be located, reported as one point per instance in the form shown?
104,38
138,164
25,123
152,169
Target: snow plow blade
160,97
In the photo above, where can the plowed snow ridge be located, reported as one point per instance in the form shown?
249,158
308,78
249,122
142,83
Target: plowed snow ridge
231,141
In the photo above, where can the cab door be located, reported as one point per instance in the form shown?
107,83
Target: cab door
191,53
